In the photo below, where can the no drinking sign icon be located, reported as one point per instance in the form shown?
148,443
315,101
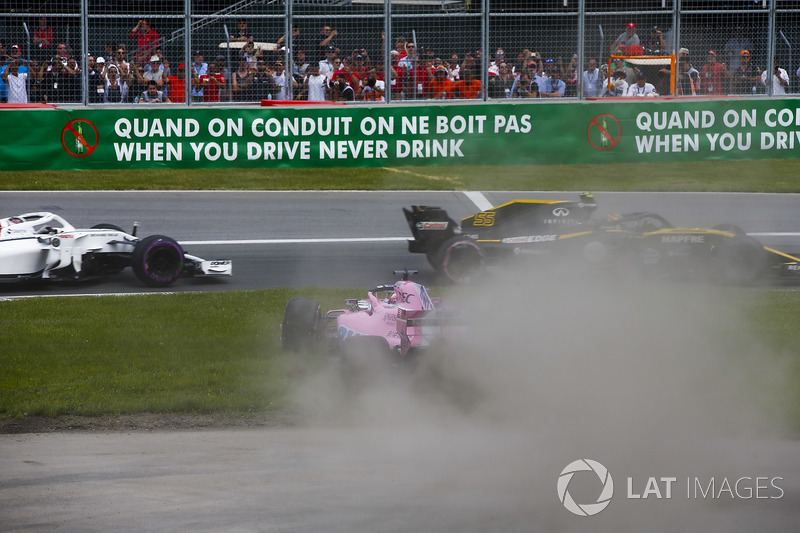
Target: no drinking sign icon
604,132
79,137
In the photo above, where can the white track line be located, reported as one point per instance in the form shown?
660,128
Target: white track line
479,200
298,241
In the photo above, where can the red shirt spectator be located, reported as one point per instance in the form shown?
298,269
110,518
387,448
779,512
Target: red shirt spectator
713,75
43,38
177,86
146,40
213,82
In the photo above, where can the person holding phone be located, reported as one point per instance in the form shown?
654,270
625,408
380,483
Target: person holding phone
780,79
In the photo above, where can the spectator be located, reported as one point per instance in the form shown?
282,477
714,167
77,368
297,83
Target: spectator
16,56
436,63
111,50
468,88
326,65
735,46
199,68
146,40
297,42
641,88
118,58
300,66
116,87
683,53
618,85
409,61
494,66
16,82
154,71
213,81
337,67
524,85
264,87
396,72
500,85
242,82
420,77
281,81
746,76
413,77
656,45
346,68
43,40
592,82
361,65
64,83
554,87
251,54
570,75
242,34
714,75
626,39
453,68
440,87
688,78
369,92
327,34
341,89
315,85
380,83
618,64
177,85
136,82
62,51
400,46
97,85
152,95
164,68
35,88
780,80
521,63
469,63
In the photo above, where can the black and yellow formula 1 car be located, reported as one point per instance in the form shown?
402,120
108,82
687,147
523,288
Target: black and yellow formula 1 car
565,231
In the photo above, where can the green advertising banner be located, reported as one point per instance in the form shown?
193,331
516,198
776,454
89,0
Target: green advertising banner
333,136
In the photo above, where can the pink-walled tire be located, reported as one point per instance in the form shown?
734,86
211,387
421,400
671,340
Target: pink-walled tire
157,261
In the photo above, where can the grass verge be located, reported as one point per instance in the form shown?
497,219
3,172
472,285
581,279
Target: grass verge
720,176
219,352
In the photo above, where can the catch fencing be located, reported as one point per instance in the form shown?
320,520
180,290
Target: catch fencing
211,52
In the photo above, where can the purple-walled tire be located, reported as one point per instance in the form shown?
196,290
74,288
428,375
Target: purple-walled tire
157,260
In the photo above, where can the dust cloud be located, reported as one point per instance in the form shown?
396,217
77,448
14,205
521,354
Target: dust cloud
651,380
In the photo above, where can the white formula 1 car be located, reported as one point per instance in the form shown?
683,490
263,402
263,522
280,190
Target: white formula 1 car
45,246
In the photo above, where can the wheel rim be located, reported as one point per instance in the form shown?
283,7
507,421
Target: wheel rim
163,261
463,261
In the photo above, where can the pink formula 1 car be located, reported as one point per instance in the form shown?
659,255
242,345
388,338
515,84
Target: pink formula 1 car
399,319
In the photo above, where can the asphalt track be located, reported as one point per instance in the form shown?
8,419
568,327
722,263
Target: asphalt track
348,238
396,460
